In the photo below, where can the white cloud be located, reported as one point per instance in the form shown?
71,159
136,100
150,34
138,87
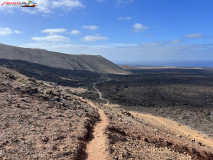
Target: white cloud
54,31
193,36
91,38
75,32
67,3
140,27
8,31
17,32
44,6
125,18
91,27
5,31
124,2
51,38
58,46
119,2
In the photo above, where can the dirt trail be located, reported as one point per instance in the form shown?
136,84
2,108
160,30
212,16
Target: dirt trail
96,149
176,128
100,94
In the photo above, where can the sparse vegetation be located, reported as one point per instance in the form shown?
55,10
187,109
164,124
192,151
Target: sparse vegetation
59,118
38,125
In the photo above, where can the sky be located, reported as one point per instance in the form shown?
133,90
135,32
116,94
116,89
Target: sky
123,31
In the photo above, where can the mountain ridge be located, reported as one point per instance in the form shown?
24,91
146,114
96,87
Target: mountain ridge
93,63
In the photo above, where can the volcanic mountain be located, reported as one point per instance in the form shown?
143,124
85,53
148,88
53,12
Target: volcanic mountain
93,63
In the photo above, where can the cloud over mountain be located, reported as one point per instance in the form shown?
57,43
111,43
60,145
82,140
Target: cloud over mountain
8,31
51,38
91,38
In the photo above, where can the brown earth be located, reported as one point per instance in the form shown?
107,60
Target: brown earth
160,122
134,137
42,121
39,121
97,148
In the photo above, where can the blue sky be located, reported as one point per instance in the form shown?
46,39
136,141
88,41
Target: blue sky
124,31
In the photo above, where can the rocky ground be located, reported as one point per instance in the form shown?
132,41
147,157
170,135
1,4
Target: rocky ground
131,137
39,121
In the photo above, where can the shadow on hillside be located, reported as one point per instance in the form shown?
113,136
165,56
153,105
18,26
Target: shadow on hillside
72,78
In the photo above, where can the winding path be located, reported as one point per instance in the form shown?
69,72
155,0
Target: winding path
100,94
96,149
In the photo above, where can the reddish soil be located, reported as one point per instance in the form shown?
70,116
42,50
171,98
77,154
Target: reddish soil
97,148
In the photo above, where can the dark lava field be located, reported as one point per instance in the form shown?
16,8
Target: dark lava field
183,95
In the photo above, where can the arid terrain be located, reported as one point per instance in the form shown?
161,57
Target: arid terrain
39,121
182,95
44,120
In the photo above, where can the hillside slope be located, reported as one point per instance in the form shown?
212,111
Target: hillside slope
42,120
93,63
39,121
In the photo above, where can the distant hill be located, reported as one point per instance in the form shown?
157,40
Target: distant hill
93,63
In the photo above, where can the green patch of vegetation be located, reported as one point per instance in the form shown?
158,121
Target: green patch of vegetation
48,91
20,80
